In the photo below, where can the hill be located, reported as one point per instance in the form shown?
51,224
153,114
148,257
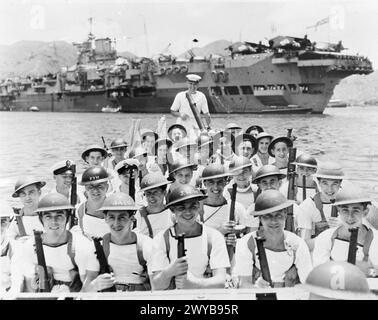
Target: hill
216,47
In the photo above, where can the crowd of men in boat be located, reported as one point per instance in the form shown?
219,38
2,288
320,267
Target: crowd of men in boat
228,209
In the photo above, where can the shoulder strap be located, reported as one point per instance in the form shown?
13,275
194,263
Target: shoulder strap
139,247
319,205
167,244
80,214
70,249
366,248
144,215
21,227
251,247
106,244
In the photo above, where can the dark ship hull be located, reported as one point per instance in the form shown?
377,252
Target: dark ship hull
286,81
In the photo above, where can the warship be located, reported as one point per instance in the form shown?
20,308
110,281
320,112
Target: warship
289,75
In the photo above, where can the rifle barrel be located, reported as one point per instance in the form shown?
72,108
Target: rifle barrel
353,245
264,266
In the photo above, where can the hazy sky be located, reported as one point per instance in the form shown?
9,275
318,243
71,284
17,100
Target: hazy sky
178,22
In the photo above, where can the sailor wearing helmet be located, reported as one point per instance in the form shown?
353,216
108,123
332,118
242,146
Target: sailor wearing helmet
181,108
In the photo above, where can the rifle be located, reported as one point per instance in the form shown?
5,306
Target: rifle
181,245
352,245
194,111
290,135
230,248
43,281
264,267
131,183
304,196
105,147
104,266
73,196
289,224
333,209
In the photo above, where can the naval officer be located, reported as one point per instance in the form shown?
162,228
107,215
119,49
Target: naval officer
181,108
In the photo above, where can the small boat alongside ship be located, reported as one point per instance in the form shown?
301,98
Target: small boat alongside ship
337,104
109,109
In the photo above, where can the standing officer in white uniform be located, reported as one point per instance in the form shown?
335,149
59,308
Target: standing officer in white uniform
181,108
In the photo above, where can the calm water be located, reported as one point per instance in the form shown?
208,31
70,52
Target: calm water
30,143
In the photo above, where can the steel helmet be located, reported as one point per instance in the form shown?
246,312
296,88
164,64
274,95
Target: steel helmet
254,127
126,164
52,202
233,126
178,126
214,171
138,151
306,160
118,201
262,135
238,163
338,280
153,180
24,182
181,163
182,193
5,209
285,140
329,170
94,175
144,132
94,147
267,171
350,194
270,201
118,143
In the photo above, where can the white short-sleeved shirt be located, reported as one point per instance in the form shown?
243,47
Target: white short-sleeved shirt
5,268
159,222
30,223
93,226
244,196
181,104
309,214
214,217
123,259
324,251
279,262
58,259
196,251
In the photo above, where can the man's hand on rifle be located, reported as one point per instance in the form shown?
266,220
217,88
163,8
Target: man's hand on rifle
187,281
103,281
231,239
333,222
228,227
261,283
179,267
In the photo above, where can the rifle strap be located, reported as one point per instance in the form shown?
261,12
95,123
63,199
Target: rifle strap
70,250
139,247
21,227
209,217
319,205
365,249
144,214
19,221
80,214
